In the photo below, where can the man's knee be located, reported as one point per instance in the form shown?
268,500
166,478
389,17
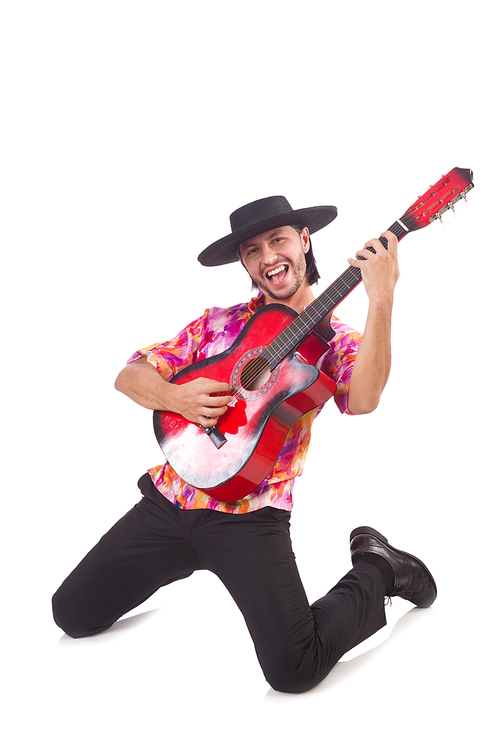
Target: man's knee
70,619
290,672
292,682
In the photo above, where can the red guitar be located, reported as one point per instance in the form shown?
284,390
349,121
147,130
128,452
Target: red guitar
270,368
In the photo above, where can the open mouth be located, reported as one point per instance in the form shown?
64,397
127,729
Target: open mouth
277,274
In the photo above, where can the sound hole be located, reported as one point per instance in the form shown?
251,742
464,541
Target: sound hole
255,374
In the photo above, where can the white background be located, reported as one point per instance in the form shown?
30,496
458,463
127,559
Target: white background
129,132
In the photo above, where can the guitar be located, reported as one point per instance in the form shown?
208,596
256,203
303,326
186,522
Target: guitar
273,377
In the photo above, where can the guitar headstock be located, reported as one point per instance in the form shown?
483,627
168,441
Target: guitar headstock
438,199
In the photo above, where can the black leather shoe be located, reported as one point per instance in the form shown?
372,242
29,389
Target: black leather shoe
412,579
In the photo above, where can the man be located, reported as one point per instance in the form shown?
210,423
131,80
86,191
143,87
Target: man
177,529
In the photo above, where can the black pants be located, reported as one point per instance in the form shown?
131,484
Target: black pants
156,543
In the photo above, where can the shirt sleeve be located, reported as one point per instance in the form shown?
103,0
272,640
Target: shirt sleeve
172,356
338,361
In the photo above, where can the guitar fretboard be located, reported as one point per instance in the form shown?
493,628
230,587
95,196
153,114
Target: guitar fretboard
302,325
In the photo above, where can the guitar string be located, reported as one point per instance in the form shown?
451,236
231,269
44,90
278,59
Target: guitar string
289,338
285,341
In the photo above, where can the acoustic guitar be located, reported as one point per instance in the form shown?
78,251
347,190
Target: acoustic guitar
273,377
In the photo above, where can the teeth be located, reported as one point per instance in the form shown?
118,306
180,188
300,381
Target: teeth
277,270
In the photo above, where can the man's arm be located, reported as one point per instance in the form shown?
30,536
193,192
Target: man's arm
141,382
371,369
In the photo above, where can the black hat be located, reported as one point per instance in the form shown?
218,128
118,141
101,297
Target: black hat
258,217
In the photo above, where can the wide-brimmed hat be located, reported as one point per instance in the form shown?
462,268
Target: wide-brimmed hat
261,216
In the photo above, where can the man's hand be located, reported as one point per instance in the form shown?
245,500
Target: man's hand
379,269
195,401
201,401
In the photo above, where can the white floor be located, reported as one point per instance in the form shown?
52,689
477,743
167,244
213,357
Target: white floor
180,673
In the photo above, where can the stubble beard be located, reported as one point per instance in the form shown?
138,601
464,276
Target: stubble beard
298,272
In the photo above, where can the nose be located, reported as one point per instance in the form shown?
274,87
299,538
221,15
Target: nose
268,254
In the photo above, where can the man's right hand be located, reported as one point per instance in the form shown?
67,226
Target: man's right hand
201,401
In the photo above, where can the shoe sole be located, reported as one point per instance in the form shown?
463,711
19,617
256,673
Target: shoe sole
379,536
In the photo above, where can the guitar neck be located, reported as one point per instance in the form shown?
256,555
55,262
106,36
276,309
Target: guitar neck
439,198
304,323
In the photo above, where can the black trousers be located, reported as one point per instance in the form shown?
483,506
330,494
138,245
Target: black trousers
156,543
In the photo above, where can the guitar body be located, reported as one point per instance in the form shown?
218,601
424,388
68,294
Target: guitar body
252,431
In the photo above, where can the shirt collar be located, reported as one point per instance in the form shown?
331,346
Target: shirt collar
256,303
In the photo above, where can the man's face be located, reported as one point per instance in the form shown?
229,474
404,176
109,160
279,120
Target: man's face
275,261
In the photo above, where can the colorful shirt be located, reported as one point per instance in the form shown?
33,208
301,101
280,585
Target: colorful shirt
212,333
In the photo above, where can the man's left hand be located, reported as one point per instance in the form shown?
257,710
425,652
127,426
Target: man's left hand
379,268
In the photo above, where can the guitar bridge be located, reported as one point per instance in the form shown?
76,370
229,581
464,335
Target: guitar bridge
215,435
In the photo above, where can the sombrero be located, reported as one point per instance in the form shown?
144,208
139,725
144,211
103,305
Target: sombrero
261,216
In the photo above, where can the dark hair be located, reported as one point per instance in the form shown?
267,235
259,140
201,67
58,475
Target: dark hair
312,272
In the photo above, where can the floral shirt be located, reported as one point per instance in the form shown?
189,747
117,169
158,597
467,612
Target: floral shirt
211,334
